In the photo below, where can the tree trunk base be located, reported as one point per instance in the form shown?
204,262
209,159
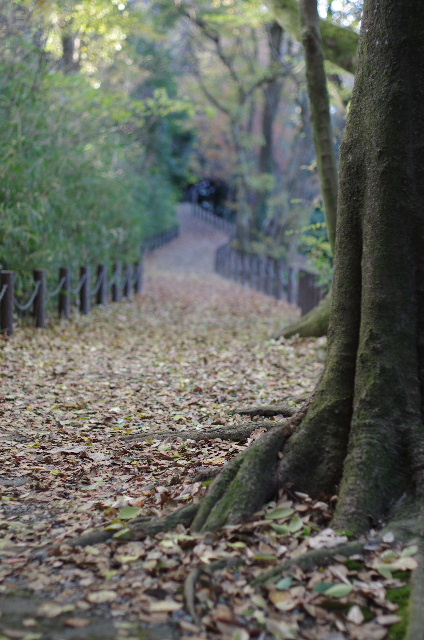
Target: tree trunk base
245,484
312,325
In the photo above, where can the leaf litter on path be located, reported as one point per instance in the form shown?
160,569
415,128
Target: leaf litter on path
177,359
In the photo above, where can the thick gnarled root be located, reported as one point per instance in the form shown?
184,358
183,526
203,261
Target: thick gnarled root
245,484
234,433
312,325
267,410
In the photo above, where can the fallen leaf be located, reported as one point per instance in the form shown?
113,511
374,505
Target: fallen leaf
98,597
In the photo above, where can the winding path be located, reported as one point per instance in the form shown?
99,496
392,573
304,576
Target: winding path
179,356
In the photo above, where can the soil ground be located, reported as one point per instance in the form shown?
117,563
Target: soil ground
80,408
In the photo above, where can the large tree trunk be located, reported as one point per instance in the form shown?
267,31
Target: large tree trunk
363,431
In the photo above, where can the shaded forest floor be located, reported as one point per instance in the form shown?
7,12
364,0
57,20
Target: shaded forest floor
179,358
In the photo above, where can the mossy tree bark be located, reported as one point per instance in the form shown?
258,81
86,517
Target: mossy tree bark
363,433
340,43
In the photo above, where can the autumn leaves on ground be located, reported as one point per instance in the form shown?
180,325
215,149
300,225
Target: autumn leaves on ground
179,358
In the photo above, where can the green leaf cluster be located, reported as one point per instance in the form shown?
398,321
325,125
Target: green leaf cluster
86,172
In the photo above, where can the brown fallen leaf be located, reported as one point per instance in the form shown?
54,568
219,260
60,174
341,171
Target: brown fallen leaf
355,615
52,609
387,621
77,623
98,597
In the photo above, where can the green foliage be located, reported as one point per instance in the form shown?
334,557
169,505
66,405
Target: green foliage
401,597
314,243
319,251
85,173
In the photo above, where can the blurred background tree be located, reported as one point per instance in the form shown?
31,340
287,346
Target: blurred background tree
109,108
90,163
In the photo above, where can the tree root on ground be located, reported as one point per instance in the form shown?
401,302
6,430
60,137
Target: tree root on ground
236,433
245,483
139,528
206,473
194,576
312,325
312,560
267,410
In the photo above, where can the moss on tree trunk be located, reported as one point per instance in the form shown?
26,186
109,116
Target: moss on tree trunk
312,325
340,43
363,434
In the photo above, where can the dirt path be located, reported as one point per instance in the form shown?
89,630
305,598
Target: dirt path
178,358
193,251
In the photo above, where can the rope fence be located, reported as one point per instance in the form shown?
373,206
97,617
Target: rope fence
124,282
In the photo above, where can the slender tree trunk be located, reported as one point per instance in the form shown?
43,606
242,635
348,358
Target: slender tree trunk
271,95
315,323
71,52
340,43
320,111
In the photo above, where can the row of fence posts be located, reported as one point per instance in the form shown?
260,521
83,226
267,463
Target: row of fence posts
159,239
124,282
263,273
270,276
213,219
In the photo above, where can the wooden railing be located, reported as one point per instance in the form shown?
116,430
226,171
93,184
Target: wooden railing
159,239
213,219
273,277
124,282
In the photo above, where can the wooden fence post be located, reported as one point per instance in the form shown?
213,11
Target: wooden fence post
138,281
101,296
278,284
246,268
292,287
269,270
116,287
85,291
7,301
64,294
128,282
40,299
252,264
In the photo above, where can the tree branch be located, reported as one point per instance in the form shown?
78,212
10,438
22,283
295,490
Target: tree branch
339,43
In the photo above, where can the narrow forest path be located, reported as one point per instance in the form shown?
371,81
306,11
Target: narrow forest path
183,354
193,251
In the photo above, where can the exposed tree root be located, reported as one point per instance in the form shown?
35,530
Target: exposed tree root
194,576
267,410
206,473
312,560
142,527
235,433
189,589
139,528
312,325
245,484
